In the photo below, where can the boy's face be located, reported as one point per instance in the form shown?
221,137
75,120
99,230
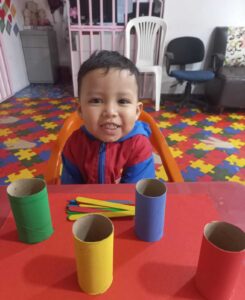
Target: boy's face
109,103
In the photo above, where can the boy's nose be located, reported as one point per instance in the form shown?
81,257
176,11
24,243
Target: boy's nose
110,109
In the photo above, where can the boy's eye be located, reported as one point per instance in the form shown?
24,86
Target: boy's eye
124,101
95,101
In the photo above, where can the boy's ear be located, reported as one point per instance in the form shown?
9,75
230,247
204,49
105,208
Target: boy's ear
139,109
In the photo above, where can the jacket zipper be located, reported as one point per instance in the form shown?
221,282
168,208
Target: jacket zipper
102,163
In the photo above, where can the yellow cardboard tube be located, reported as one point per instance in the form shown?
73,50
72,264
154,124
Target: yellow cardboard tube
93,239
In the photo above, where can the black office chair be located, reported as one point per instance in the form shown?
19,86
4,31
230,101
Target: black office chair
181,52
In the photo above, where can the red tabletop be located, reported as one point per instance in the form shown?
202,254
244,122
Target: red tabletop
159,270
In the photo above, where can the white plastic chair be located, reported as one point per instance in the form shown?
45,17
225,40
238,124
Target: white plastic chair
150,33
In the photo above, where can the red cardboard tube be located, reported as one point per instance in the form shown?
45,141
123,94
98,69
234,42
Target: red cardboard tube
221,256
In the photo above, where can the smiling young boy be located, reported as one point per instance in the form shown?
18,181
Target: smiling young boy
111,146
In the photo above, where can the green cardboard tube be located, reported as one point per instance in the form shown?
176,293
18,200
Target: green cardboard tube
30,206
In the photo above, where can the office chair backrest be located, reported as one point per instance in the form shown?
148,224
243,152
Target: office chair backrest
150,33
73,122
186,50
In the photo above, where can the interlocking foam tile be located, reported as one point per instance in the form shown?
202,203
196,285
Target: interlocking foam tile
235,160
229,131
222,174
241,174
3,153
237,143
8,159
204,167
161,174
176,152
192,174
184,163
3,180
24,173
232,169
197,153
235,178
42,109
202,135
24,154
207,177
10,168
44,155
215,157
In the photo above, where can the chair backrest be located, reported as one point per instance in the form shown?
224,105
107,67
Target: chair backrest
74,121
186,50
220,36
150,32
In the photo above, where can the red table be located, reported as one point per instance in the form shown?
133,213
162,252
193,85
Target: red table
159,270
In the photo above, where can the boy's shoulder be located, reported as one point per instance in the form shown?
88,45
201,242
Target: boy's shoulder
140,129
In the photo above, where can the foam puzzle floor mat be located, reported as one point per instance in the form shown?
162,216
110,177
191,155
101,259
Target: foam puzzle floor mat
207,147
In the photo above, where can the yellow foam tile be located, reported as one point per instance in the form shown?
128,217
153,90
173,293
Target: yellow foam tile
238,126
177,137
161,174
48,138
235,178
237,143
234,160
213,129
5,132
189,121
25,154
203,146
204,168
25,173
49,125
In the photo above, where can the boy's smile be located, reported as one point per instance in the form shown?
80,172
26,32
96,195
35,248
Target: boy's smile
109,103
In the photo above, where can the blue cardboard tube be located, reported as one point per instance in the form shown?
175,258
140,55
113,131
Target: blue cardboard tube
150,209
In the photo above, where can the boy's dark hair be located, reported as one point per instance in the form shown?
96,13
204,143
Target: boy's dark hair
105,59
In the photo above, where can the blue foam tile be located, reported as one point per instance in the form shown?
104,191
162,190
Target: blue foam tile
37,128
181,125
231,130
24,121
231,151
205,123
191,174
44,155
189,113
232,169
3,181
8,160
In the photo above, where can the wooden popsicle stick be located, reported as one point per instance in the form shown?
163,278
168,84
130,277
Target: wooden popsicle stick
108,214
105,203
89,209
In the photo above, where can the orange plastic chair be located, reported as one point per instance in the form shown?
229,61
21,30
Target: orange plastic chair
74,121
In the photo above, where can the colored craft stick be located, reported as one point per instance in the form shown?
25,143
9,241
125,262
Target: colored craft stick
70,212
121,201
88,205
74,202
105,203
109,214
84,209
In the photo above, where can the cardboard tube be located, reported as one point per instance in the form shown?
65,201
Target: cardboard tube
150,209
29,203
221,255
93,238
